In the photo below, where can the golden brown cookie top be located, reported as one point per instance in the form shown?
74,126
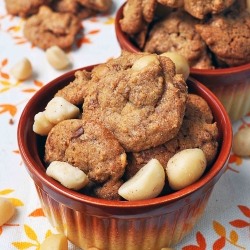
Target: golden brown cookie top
48,28
139,98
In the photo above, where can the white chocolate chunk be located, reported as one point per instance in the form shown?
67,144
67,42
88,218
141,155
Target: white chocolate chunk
55,242
58,109
241,142
147,183
181,63
22,69
7,210
185,168
69,176
42,125
57,57
144,62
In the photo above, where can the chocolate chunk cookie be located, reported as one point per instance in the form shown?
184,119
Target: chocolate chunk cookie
227,36
197,131
24,7
48,28
139,98
176,33
90,147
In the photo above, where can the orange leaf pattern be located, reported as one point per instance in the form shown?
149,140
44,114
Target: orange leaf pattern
37,213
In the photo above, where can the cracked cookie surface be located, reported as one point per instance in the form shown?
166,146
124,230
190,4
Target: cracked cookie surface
143,108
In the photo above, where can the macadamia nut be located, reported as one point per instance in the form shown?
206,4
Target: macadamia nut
7,210
185,168
144,61
42,125
69,176
241,142
55,242
181,63
58,109
22,69
57,57
147,183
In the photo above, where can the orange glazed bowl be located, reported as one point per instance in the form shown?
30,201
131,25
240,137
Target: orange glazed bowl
120,225
230,85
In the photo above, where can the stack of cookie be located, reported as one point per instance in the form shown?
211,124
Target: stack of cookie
209,34
134,108
54,22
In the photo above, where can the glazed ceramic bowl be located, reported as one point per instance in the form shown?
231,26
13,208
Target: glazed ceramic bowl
230,85
119,225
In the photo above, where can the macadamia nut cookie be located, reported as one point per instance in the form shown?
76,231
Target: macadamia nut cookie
48,28
139,98
97,5
200,8
92,148
73,7
75,92
227,35
138,14
197,131
176,33
24,7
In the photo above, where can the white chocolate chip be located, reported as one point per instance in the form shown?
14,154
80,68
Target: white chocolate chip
147,183
42,125
185,168
55,242
7,210
57,57
69,176
59,109
22,69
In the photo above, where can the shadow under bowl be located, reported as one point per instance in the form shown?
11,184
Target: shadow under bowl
119,225
230,85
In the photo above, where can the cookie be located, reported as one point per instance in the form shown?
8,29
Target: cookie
227,36
200,9
97,5
172,3
75,91
143,107
176,33
197,131
73,7
93,149
25,7
48,28
137,15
